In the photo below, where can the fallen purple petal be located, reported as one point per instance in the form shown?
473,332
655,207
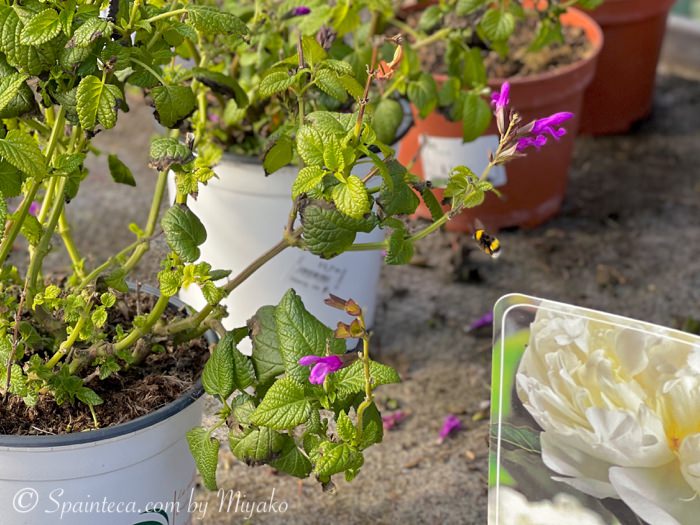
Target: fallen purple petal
389,421
450,425
484,320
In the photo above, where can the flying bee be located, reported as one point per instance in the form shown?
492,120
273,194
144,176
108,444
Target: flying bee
488,243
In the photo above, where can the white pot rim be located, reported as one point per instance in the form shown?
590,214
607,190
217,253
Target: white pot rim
152,418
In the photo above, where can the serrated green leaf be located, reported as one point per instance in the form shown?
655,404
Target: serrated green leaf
476,116
372,428
40,29
299,334
21,151
292,461
211,20
400,249
330,123
166,151
120,172
283,407
327,232
351,379
430,17
10,180
184,232
307,179
173,104
205,451
465,7
266,357
30,59
432,203
396,196
279,155
221,84
314,54
498,25
244,373
336,457
386,120
97,102
258,445
9,88
310,146
218,375
242,407
170,282
330,84
276,81
423,94
89,396
351,197
345,428
89,31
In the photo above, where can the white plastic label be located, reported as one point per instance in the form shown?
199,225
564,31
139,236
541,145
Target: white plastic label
440,154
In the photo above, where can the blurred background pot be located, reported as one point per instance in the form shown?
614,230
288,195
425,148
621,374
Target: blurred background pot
533,187
622,91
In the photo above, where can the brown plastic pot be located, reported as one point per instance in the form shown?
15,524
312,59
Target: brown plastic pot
622,91
535,185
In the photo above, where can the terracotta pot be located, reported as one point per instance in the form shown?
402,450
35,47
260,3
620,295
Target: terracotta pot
532,189
622,91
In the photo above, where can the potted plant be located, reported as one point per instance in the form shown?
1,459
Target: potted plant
547,55
78,352
634,32
289,66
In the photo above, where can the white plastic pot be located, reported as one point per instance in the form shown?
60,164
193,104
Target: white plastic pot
245,214
110,476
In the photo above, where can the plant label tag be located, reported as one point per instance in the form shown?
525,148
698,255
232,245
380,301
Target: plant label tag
593,418
440,154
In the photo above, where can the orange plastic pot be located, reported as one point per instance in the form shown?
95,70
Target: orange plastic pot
532,188
622,91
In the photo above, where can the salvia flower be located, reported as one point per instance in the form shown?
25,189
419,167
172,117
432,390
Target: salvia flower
34,208
322,366
539,130
501,99
301,10
450,425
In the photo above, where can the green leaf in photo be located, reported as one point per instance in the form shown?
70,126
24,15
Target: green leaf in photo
386,120
284,406
97,103
351,197
120,172
173,104
184,232
205,451
40,29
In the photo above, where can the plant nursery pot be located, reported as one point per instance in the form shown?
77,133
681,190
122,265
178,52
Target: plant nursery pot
245,214
532,188
110,476
623,87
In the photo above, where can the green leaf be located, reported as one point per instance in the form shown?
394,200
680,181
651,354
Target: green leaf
244,373
218,375
166,151
211,20
292,461
205,451
173,104
330,123
299,334
345,428
351,197
21,150
307,179
498,25
474,70
397,197
476,116
372,427
266,357
9,88
519,437
40,29
432,203
336,457
430,18
221,84
465,7
89,396
242,408
283,407
97,102
400,249
386,120
279,155
30,59
258,445
423,94
333,154
184,232
310,146
120,171
588,4
313,52
275,82
89,31
330,84
10,180
170,281
327,232
548,32
351,379
465,189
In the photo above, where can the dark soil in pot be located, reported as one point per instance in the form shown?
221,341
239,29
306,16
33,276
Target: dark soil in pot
127,394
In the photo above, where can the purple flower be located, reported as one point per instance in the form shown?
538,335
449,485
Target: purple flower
322,366
540,128
34,208
450,425
484,320
302,10
501,99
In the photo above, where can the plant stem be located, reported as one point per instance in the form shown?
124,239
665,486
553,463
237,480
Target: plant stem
153,214
16,225
302,65
369,397
167,14
66,345
435,37
144,329
65,233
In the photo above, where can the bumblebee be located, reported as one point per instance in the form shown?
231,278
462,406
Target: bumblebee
488,244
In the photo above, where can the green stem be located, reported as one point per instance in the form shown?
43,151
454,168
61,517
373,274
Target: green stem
109,262
66,345
16,225
149,69
64,231
403,26
167,14
153,214
139,331
435,37
369,397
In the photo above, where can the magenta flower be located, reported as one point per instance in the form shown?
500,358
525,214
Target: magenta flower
501,99
34,208
322,366
450,425
484,320
540,128
302,10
